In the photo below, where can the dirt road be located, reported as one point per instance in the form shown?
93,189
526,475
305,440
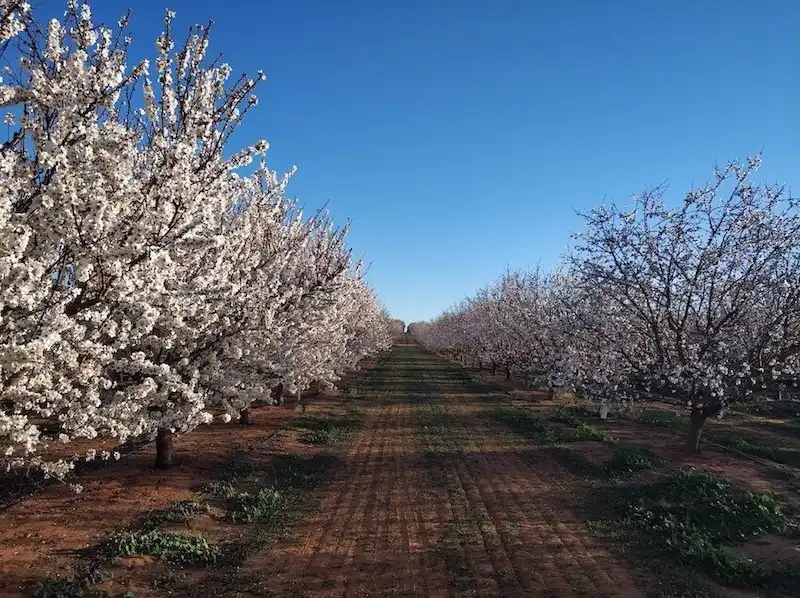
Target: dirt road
432,500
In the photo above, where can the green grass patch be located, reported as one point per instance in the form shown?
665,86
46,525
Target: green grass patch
524,423
60,588
728,436
735,439
433,432
661,419
264,506
301,474
325,430
789,429
572,416
683,589
239,465
292,478
696,516
330,436
586,431
173,547
627,461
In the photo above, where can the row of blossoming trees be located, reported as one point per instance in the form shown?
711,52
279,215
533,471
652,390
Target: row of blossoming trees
696,302
149,281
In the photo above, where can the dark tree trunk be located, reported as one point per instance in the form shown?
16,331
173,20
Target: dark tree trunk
551,392
164,451
494,369
697,419
244,417
508,373
277,394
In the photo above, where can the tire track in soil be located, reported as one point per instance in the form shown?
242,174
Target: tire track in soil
367,536
481,516
333,512
523,510
532,502
353,517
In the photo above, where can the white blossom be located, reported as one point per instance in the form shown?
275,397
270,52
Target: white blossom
146,283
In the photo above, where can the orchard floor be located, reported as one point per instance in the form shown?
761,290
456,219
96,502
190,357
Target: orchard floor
426,496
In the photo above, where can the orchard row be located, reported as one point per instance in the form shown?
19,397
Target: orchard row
153,276
697,303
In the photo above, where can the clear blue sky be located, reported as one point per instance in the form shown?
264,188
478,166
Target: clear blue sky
460,136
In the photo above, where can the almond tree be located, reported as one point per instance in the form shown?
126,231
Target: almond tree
398,328
515,322
700,303
145,284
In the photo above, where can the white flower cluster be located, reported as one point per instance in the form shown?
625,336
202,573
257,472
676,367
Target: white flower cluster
145,283
13,16
699,303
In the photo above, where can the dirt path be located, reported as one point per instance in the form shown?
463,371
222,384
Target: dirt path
430,500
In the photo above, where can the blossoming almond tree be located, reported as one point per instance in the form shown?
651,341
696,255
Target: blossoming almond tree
398,328
701,302
514,322
138,268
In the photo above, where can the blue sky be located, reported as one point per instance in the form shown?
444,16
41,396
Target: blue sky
461,136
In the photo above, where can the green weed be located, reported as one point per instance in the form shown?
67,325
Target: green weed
585,431
60,588
577,411
682,589
325,430
627,461
524,423
246,507
695,515
661,419
264,506
173,547
733,439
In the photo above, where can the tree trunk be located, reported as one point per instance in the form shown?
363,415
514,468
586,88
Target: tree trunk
164,451
244,417
277,394
551,392
508,373
494,369
696,421
697,418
